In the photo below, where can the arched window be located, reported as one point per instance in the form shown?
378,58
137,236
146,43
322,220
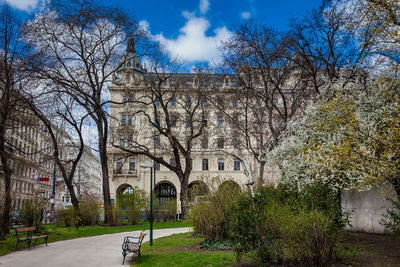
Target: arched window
165,192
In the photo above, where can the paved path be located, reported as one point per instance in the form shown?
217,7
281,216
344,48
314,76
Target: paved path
104,250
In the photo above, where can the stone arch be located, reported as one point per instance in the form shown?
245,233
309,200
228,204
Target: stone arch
229,186
124,189
197,189
165,191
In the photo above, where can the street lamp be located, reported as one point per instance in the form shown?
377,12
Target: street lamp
148,165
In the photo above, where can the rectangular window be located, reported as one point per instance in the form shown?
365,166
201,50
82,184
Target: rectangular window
188,122
119,166
130,120
205,120
204,164
220,142
123,120
220,122
204,101
157,166
132,166
157,142
188,142
130,101
122,141
188,102
236,164
204,142
128,79
221,165
124,99
130,140
157,120
219,103
172,120
157,102
172,162
173,101
235,103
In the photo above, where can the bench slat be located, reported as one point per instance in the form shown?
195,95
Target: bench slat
25,229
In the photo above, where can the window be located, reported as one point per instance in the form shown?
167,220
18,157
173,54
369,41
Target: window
130,102
204,142
221,165
188,142
172,162
130,120
220,120
119,166
205,120
190,164
188,122
157,120
122,141
128,78
204,102
124,99
235,142
67,199
220,142
204,164
132,166
130,140
172,120
157,142
173,101
235,103
157,166
123,120
188,102
157,102
219,103
236,164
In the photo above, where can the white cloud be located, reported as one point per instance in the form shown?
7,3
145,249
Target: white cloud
204,6
245,15
192,43
24,5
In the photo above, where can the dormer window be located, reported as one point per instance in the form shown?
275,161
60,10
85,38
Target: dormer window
128,78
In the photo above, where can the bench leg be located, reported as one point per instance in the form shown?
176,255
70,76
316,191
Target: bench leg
123,254
46,240
29,244
16,246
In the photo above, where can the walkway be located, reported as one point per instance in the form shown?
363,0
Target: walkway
104,250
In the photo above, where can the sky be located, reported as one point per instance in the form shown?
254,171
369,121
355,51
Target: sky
193,29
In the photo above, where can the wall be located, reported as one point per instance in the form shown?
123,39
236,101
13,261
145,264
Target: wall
367,208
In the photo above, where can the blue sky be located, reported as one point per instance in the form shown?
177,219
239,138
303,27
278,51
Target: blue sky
192,29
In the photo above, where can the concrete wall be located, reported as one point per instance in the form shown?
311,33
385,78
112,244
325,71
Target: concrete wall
367,208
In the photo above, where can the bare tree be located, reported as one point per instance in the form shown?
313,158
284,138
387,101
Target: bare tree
82,43
16,65
323,42
270,91
170,115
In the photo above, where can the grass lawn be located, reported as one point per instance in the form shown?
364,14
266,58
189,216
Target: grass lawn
63,233
181,250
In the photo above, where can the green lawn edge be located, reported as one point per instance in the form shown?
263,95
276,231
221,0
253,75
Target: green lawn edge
65,233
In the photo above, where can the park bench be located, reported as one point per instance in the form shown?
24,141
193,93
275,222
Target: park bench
27,234
132,244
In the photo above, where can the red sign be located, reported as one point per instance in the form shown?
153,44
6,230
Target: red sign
43,179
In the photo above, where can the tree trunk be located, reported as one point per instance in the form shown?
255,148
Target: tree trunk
5,220
184,198
104,169
260,181
74,200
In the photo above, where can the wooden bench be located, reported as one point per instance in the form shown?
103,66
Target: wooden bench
132,244
27,234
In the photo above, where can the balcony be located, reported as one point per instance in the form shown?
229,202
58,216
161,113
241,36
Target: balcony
124,172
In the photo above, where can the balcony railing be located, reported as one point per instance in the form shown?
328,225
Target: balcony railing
124,171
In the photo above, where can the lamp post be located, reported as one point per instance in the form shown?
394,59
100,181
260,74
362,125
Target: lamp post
147,165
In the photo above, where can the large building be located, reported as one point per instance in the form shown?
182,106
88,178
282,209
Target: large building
191,105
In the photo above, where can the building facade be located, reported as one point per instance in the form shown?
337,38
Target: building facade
190,107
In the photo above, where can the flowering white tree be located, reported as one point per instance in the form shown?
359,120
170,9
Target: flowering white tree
350,139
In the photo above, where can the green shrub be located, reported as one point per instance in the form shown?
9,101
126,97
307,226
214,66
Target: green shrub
33,210
132,205
89,208
274,231
115,215
68,217
391,220
208,213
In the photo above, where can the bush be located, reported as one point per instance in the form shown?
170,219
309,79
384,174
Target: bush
89,208
208,213
68,217
115,215
391,220
275,231
132,205
32,211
